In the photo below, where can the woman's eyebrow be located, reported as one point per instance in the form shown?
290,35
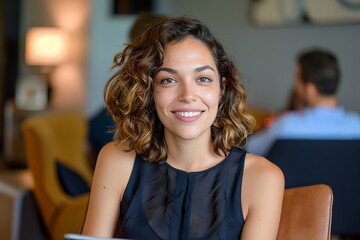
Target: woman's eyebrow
166,69
198,69
203,68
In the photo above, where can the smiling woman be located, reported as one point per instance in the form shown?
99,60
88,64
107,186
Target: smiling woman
176,167
187,90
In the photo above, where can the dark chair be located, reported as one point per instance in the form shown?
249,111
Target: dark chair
332,162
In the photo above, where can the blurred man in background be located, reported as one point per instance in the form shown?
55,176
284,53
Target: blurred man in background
317,79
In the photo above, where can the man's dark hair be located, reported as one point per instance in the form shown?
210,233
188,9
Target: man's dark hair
321,68
143,21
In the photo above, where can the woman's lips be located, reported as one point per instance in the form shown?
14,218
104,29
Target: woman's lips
188,116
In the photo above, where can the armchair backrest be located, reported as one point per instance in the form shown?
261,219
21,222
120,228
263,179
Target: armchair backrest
52,139
332,162
306,213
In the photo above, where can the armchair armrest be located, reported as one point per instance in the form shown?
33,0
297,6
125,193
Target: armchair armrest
70,217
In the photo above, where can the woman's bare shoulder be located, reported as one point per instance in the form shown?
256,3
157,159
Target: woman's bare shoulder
261,168
263,183
262,177
115,162
116,153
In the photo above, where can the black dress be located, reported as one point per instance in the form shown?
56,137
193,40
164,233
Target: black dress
161,202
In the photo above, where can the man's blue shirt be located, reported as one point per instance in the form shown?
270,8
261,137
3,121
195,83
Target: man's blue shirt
312,123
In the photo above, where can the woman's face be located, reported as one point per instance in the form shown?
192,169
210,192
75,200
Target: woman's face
187,90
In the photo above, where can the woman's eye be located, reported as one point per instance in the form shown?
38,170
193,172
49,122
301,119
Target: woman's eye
205,79
167,81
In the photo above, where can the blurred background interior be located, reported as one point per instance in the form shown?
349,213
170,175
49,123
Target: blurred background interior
55,57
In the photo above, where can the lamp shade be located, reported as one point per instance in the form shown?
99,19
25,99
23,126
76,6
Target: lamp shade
45,46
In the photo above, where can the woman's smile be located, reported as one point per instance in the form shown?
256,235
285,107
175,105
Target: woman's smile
188,116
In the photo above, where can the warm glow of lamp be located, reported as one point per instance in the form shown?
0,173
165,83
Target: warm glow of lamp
45,46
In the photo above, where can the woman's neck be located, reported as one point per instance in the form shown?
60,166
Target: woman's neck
192,155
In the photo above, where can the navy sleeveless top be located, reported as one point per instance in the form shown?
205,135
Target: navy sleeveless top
161,202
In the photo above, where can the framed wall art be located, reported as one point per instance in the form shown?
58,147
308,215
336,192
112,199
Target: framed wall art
132,6
298,12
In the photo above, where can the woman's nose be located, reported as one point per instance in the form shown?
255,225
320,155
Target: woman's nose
187,92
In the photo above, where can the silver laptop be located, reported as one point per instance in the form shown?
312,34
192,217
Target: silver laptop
73,236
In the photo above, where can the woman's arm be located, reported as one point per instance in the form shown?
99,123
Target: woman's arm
263,189
112,173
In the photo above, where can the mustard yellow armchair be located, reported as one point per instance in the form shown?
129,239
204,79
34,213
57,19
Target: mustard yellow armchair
55,146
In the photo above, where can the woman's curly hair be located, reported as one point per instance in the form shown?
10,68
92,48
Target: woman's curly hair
129,94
